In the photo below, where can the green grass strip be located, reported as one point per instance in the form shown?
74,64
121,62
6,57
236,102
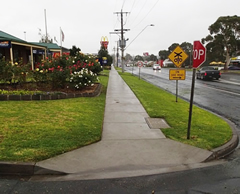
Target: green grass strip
208,131
37,130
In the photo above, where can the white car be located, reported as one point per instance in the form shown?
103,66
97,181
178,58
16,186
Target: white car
156,67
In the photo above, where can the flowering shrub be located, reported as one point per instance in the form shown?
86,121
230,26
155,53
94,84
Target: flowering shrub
14,73
40,74
59,71
83,78
5,71
80,69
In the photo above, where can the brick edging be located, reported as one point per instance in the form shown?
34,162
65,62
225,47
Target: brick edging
4,97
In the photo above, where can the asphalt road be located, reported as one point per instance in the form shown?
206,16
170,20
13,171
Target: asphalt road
224,178
220,96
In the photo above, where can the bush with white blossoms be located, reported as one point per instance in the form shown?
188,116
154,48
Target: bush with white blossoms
83,78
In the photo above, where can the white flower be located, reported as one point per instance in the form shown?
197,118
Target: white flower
73,61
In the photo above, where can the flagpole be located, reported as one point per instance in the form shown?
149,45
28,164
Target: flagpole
46,39
61,41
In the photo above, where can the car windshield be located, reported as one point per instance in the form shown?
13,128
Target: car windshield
208,68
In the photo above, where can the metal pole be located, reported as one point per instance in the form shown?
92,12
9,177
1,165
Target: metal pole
122,43
191,104
176,90
24,35
46,25
61,41
139,72
117,53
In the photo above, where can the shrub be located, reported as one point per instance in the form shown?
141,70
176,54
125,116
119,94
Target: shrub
14,73
83,78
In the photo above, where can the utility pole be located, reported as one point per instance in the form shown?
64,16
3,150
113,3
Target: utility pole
122,41
114,49
117,53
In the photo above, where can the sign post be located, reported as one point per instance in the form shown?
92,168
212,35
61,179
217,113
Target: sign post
140,64
177,74
177,56
199,57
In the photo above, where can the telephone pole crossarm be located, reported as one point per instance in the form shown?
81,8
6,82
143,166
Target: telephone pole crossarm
122,42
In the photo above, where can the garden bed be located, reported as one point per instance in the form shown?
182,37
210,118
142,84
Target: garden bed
45,92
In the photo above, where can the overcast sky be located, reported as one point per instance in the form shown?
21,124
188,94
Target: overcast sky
84,22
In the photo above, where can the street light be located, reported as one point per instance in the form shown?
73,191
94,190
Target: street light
139,34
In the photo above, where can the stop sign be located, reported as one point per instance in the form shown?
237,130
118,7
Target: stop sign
199,54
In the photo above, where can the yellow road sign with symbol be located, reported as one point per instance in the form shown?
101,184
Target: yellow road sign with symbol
178,56
177,74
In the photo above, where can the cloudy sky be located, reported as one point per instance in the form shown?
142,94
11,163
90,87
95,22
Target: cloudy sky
84,22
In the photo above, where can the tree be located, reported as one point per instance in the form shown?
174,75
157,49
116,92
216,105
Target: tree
138,58
128,57
187,47
172,47
224,38
102,54
152,58
163,54
74,51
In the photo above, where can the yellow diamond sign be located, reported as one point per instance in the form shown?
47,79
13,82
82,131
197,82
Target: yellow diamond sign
178,56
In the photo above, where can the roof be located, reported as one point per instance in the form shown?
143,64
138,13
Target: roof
6,36
53,46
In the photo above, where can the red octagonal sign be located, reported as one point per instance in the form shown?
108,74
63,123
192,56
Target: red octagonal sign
199,54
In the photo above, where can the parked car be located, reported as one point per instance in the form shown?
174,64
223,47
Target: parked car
233,68
156,67
208,72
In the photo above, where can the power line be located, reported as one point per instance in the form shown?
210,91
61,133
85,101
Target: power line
123,3
133,5
140,11
148,12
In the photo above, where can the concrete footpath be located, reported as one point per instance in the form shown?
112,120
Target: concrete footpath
129,147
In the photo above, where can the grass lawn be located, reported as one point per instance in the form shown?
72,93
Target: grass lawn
208,131
37,130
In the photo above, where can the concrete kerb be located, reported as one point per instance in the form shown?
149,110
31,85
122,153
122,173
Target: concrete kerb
228,147
25,169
